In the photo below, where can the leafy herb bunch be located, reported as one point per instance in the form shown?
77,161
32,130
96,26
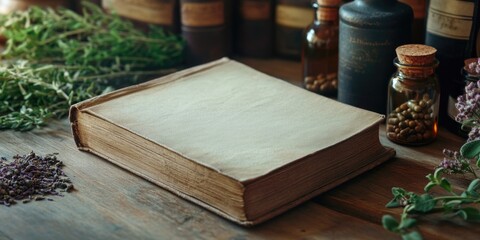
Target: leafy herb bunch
54,58
466,161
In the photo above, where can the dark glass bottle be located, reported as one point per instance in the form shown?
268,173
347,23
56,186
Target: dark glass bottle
456,86
449,23
370,30
320,49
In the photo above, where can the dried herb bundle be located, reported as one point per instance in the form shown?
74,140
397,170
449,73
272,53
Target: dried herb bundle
31,177
54,58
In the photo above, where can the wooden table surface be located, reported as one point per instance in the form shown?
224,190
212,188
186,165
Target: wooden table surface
111,203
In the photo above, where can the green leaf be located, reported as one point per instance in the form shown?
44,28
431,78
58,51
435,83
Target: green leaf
396,191
430,177
423,203
469,214
393,203
390,223
429,186
398,194
407,223
414,235
470,149
445,184
467,124
474,185
436,174
452,203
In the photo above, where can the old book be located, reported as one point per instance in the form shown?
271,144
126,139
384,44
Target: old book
238,142
163,13
204,25
254,29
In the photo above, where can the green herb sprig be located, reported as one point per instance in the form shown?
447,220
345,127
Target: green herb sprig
450,204
55,58
466,162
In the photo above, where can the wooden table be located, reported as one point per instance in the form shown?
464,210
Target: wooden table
111,203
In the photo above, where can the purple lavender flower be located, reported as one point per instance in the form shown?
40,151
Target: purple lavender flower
468,105
474,67
453,162
474,134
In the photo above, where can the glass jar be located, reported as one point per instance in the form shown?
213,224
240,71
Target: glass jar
320,49
413,103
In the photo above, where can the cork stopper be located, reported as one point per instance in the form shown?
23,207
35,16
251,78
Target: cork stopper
416,54
332,3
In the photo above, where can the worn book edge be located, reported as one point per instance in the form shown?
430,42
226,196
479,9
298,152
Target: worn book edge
386,154
81,107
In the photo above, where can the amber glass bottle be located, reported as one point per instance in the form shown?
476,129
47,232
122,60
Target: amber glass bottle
413,96
320,49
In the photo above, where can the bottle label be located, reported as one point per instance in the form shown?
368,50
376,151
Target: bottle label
149,11
451,109
418,7
365,56
255,10
293,16
202,14
327,14
450,18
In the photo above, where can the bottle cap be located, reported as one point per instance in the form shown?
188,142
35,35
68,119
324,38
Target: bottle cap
416,54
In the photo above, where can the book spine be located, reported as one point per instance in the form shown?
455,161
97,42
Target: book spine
449,23
204,28
73,118
291,18
162,13
255,28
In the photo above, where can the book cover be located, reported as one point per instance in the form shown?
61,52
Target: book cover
238,142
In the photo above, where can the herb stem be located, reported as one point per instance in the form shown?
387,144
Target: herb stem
128,73
63,35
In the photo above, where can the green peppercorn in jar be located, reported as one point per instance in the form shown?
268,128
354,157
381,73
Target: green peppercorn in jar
413,96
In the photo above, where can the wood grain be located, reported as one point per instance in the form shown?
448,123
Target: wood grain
110,203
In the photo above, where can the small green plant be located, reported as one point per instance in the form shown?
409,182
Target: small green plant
55,58
466,161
